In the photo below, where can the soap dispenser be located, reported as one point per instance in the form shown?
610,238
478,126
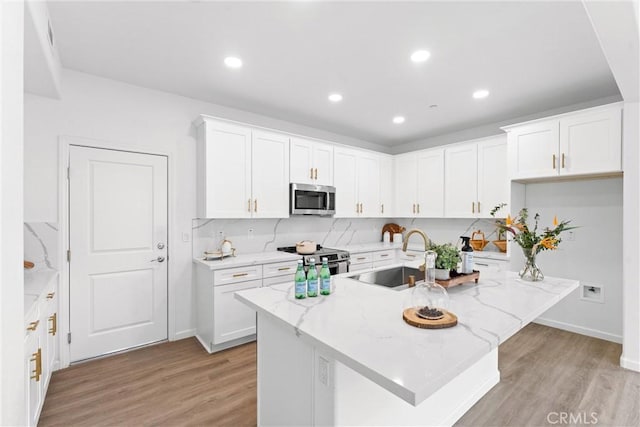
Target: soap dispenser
467,256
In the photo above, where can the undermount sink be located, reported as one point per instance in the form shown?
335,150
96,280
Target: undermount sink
395,278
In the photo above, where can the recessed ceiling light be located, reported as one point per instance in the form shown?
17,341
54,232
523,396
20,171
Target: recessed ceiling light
335,97
479,94
420,55
398,120
233,62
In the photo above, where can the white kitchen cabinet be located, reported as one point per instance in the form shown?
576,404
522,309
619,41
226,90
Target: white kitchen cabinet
586,142
232,319
475,178
33,364
419,184
243,172
270,174
311,162
387,207
357,182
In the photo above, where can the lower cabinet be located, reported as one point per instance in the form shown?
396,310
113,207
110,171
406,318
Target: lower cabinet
231,318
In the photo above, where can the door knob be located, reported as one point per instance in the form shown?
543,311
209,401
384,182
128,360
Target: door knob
159,259
160,246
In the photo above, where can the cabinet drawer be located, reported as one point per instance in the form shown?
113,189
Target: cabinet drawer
288,278
236,275
384,256
361,258
279,269
410,255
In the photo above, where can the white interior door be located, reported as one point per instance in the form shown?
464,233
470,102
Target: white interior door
118,244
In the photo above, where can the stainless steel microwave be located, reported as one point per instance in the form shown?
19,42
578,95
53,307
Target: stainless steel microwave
308,199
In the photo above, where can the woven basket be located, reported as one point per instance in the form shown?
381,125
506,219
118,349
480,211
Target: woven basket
478,244
501,244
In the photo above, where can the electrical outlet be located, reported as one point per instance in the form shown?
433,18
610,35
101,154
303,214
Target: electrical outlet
250,233
220,236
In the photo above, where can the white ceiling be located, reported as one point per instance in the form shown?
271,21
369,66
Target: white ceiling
531,56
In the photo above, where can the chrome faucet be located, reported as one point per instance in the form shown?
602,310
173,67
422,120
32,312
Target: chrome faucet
426,245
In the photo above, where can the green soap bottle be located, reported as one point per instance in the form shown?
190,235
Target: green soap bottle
325,278
312,279
300,281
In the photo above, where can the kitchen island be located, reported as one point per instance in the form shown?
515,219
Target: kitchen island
350,359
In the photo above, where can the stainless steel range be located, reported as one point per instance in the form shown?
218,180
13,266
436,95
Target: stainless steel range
338,259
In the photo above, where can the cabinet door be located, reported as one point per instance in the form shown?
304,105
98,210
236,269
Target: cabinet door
461,181
52,331
493,181
345,181
33,391
591,142
227,171
231,318
368,169
270,175
322,163
533,150
430,181
406,185
386,186
301,161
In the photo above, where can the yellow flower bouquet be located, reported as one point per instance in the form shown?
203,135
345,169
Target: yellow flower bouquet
531,241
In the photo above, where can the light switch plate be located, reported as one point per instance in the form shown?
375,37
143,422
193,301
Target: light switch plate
186,237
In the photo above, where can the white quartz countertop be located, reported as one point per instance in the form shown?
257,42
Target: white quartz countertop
35,282
247,259
361,326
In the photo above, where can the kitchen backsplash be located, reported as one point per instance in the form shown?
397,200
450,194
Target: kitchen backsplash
260,235
41,244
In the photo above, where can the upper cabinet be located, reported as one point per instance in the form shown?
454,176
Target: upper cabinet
475,178
386,186
42,67
357,180
311,162
586,142
419,184
242,172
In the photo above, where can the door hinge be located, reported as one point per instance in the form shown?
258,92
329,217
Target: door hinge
69,255
69,338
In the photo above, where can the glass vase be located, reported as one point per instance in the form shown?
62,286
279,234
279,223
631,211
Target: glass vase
530,271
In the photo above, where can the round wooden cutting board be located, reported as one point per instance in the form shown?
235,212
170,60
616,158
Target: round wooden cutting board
411,317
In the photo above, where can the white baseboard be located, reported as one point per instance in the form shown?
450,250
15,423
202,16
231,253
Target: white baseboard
184,334
633,365
579,330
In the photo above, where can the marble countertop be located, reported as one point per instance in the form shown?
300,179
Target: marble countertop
247,259
361,325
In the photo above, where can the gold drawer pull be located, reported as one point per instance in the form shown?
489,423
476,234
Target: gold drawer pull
54,324
284,268
255,205
414,208
473,207
562,160
240,274
478,207
50,295
361,258
411,255
315,174
33,325
382,209
554,161
37,357
418,210
311,173
383,255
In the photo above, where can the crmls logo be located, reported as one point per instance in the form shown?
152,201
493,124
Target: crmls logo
572,418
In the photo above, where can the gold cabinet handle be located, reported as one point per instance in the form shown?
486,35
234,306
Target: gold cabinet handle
54,324
357,207
382,208
50,295
360,207
473,207
414,208
33,325
240,274
311,173
361,258
554,161
562,160
384,255
284,268
37,358
418,210
249,205
411,255
255,205
478,207
315,175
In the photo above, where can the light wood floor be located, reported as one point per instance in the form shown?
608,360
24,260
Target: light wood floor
543,370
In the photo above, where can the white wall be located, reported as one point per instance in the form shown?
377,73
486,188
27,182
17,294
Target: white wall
12,368
594,257
138,119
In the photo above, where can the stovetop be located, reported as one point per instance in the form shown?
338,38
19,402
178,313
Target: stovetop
333,255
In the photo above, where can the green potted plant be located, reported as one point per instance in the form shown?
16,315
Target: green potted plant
447,260
501,242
